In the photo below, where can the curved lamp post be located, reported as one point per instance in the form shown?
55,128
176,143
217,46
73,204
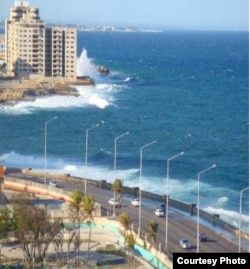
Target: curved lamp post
153,142
240,217
198,205
86,156
45,149
171,158
118,137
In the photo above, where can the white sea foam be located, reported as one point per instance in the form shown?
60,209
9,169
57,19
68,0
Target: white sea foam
70,168
185,191
85,66
21,161
96,100
223,212
88,96
222,200
231,217
99,95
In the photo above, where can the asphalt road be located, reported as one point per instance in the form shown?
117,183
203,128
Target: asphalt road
179,225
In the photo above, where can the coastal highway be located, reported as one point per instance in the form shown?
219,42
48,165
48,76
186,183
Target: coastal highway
179,225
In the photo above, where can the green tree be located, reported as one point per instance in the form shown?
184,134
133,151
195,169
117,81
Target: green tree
152,228
6,223
6,226
125,222
34,229
117,188
75,206
76,217
87,209
130,242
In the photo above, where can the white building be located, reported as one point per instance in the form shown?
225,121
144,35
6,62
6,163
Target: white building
33,49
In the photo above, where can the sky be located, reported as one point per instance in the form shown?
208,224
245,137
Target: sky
168,14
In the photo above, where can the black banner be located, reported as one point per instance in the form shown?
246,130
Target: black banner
211,260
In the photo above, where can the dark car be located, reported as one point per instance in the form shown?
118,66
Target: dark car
163,206
202,237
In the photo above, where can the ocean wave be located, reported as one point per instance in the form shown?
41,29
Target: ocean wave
127,79
99,96
222,200
70,168
85,66
230,216
17,160
185,191
228,213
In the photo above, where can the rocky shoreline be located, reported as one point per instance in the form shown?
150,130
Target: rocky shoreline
12,91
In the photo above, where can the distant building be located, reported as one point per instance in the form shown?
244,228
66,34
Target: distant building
35,50
2,48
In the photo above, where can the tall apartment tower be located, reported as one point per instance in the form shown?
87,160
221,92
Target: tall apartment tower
34,50
60,52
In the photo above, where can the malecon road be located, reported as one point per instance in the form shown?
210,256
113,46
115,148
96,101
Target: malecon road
179,225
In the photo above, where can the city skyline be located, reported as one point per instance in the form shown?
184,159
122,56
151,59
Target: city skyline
179,14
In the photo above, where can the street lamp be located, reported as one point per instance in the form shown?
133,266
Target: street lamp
171,158
45,149
240,217
118,137
86,156
139,229
198,205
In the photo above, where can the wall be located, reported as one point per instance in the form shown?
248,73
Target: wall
187,208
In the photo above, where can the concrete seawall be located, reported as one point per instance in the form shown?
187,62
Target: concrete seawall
103,184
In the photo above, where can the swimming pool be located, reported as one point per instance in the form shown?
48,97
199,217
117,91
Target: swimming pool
48,202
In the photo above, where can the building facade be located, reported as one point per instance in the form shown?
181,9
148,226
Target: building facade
32,49
2,48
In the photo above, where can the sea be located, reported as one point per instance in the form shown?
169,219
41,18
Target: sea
173,92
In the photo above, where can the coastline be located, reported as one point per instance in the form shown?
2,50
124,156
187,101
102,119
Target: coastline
209,220
13,90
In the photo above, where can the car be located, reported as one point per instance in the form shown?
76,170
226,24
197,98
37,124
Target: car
163,206
202,237
159,212
53,184
135,202
114,201
184,243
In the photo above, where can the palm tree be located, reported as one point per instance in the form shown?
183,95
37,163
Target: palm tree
117,188
124,221
152,228
130,242
75,205
87,208
76,216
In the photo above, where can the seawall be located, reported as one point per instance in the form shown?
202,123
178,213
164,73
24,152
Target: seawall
213,219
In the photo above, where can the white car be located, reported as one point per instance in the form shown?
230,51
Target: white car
53,184
113,201
184,243
135,202
159,212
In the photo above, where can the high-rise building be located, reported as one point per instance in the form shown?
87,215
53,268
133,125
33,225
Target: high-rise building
32,49
2,48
